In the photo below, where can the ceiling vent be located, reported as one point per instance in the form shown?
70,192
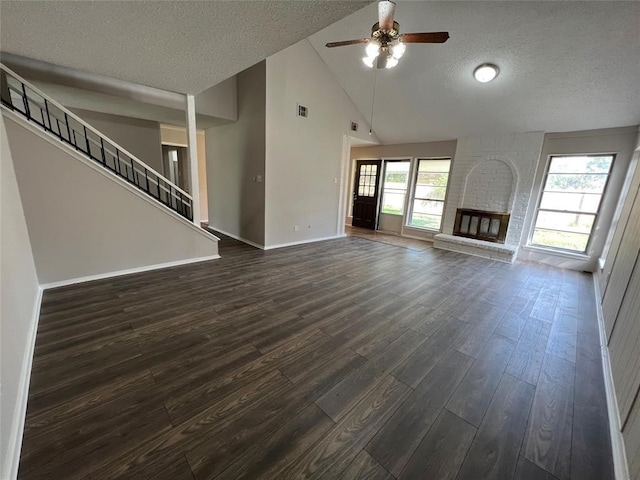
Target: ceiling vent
303,111
354,126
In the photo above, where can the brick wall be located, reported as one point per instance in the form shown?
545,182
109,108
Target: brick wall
494,173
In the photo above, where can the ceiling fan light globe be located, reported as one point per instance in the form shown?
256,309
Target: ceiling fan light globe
391,62
373,49
368,61
398,49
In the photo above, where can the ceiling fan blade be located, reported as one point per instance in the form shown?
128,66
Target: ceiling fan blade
382,61
386,9
347,42
431,37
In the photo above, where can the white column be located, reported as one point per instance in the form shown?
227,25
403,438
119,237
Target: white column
192,149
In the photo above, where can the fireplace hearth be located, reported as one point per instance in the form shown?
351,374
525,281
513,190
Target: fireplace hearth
481,225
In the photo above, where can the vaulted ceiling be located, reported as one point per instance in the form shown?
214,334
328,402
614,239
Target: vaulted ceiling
564,65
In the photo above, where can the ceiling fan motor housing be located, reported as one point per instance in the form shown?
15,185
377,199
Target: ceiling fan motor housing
385,36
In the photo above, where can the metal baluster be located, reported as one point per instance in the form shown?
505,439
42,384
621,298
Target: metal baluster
157,194
86,139
27,111
104,158
46,107
66,120
43,125
146,178
117,162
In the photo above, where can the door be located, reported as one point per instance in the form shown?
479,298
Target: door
365,193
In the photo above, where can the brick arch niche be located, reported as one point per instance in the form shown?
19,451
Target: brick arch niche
490,185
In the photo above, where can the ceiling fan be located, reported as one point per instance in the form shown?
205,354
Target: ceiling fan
387,44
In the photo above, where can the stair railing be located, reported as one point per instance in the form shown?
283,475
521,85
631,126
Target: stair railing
21,97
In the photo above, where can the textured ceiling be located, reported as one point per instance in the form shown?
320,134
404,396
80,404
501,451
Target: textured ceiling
181,46
563,66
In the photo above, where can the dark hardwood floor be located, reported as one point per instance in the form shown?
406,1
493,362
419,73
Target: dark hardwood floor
347,359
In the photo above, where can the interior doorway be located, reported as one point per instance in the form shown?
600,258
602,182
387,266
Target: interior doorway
174,137
175,164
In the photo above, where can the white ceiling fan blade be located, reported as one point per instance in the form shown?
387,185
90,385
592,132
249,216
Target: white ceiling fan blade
386,9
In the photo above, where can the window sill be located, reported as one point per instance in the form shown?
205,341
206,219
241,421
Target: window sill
422,229
559,253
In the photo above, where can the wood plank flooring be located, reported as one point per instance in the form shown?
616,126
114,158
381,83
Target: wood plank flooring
356,358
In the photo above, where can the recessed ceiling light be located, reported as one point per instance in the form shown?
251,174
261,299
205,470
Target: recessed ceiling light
486,72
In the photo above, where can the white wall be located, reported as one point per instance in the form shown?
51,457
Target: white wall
84,221
620,299
304,155
390,223
235,159
19,306
140,137
620,141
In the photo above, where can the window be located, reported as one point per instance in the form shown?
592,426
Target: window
396,179
570,201
429,194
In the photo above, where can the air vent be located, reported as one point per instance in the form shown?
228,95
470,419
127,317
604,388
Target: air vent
354,126
303,111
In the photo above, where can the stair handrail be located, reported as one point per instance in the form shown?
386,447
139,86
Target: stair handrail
89,127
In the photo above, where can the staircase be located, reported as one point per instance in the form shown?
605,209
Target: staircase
26,100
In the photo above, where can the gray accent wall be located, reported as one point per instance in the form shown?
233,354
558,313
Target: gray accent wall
305,175
140,137
236,161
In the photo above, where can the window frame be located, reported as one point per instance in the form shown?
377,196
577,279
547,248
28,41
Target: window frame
412,197
596,214
407,190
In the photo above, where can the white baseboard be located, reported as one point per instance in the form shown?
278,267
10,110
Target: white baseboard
302,242
620,464
128,271
20,412
416,237
236,237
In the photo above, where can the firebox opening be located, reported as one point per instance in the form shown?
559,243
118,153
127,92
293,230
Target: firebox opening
481,225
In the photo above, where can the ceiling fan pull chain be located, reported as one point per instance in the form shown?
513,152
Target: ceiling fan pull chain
373,98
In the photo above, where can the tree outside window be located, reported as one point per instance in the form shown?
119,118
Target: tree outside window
570,201
429,194
396,179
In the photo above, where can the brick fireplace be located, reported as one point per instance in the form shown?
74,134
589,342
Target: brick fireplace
491,174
